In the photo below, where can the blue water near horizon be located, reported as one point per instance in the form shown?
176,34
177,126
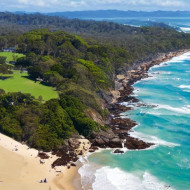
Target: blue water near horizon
183,23
166,123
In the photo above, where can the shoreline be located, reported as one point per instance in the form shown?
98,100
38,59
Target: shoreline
124,95
27,171
117,136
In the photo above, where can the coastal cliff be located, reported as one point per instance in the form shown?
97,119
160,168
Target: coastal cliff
117,135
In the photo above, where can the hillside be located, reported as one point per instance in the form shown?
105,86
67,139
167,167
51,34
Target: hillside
82,69
135,43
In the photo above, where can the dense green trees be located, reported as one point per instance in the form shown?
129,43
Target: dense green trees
2,59
43,126
81,69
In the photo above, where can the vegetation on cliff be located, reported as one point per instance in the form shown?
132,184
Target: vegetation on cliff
81,69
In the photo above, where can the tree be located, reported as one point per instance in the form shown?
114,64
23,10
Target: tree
40,98
2,92
3,59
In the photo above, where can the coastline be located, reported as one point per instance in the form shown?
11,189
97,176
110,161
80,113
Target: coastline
24,168
123,94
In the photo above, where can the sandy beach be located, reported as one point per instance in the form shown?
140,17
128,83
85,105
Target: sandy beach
20,169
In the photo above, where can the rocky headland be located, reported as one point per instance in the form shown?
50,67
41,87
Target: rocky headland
117,135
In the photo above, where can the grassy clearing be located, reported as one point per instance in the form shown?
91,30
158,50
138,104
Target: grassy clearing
19,83
10,55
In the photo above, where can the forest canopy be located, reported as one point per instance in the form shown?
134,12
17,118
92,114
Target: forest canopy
81,65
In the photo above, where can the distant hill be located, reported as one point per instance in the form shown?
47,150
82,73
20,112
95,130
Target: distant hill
117,13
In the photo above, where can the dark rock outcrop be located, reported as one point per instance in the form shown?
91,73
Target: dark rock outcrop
66,154
106,139
43,155
134,143
118,151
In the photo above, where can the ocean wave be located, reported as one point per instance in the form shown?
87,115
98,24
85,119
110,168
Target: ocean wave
182,110
181,58
151,139
164,64
184,163
128,104
176,79
186,90
107,178
87,175
150,77
184,86
153,113
185,29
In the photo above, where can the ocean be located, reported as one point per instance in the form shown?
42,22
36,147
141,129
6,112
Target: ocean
181,23
165,121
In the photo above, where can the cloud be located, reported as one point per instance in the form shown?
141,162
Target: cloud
69,5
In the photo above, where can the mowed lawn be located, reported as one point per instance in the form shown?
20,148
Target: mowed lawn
10,55
19,83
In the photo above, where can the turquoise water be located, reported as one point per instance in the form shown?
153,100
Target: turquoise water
167,164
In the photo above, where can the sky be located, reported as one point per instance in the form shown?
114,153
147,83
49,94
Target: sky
77,5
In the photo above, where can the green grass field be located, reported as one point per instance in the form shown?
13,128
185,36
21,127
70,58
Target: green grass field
19,83
10,55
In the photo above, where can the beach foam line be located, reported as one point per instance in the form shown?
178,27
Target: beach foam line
131,105
151,139
163,64
181,58
87,172
116,179
185,29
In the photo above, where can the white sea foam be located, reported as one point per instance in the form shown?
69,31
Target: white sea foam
87,175
128,104
182,110
152,139
184,86
176,79
115,179
185,29
186,90
153,75
164,64
153,113
180,59
184,163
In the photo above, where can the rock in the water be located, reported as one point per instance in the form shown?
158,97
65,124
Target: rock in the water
134,143
118,151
